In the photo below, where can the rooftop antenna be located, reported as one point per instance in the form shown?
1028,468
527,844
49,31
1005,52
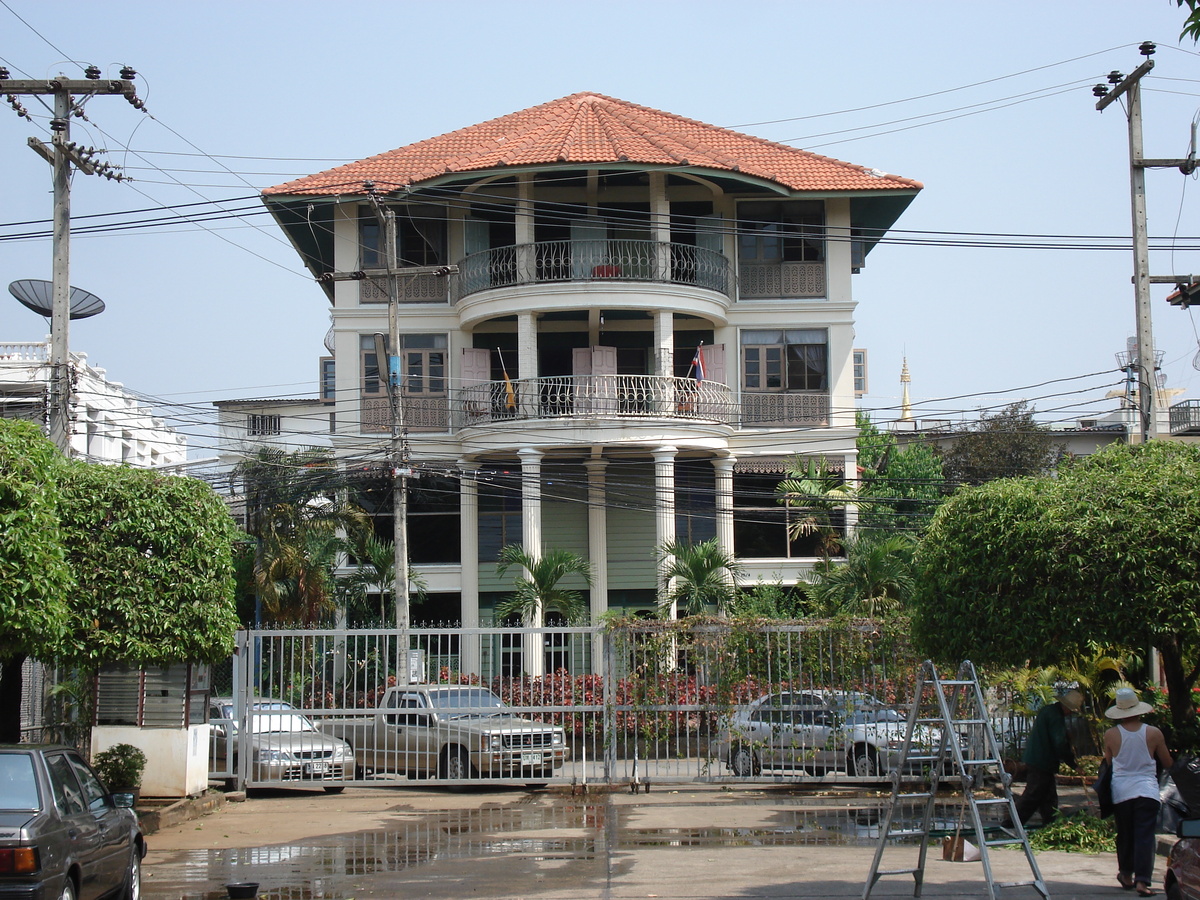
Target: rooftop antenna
38,295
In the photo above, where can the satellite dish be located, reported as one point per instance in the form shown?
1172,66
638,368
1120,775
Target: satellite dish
38,295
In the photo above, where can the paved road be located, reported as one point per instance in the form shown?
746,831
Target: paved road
691,843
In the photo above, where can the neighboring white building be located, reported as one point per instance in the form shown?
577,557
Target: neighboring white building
108,423
550,390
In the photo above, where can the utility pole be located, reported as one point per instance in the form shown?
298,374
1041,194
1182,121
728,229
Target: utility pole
62,155
1145,363
394,383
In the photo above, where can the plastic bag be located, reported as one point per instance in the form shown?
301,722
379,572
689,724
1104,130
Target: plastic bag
1186,775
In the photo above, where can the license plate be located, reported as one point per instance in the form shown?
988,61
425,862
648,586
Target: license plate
533,758
317,768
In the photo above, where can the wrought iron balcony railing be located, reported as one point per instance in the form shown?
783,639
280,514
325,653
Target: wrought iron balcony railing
595,396
594,260
613,397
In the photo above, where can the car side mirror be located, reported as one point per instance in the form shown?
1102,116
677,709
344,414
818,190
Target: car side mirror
122,800
218,731
1188,828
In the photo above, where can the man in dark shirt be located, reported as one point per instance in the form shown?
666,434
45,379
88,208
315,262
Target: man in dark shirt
1047,747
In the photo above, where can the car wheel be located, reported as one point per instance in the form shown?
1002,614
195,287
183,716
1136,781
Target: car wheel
742,761
864,763
133,876
1174,891
456,763
68,891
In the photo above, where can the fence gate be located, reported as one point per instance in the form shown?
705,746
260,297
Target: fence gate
648,702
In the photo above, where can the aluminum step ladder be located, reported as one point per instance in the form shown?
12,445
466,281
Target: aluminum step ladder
967,750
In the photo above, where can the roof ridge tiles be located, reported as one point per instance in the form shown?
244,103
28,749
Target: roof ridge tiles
589,127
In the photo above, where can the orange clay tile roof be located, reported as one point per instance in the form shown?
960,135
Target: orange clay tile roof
591,128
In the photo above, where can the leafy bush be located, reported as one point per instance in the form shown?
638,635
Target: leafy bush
120,766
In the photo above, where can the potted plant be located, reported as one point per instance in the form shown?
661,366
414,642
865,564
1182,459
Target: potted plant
120,767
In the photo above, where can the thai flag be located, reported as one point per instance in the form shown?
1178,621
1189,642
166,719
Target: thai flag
698,364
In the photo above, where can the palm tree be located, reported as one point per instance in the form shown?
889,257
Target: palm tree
703,575
376,571
295,511
539,593
814,493
876,578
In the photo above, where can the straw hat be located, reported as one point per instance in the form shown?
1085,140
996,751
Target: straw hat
1128,704
1072,700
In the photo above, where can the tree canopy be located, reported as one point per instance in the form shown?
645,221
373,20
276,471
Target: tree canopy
151,555
34,575
900,488
1008,443
1031,569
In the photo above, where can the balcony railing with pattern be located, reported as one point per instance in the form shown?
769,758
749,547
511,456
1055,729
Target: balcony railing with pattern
594,260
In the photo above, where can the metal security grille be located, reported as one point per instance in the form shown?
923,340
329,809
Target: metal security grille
647,701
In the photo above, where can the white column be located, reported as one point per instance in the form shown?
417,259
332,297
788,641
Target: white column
724,501
531,539
524,229
852,481
664,511
468,529
526,363
597,549
660,225
664,342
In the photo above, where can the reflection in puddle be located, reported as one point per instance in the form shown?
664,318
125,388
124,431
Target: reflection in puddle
581,841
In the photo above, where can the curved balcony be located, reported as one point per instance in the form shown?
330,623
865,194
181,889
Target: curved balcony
549,262
594,396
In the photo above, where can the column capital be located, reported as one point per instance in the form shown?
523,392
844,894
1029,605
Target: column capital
532,454
665,453
724,462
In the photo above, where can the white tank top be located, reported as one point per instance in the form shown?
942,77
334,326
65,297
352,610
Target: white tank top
1135,773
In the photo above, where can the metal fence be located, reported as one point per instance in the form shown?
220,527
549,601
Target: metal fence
646,702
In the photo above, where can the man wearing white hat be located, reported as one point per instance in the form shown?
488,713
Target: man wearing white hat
1134,748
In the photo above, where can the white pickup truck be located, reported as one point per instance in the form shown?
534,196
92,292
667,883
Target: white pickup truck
453,732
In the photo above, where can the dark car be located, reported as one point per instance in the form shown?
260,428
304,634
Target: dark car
63,836
1182,879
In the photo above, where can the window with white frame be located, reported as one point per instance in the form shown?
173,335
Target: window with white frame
423,361
785,360
860,372
420,236
781,231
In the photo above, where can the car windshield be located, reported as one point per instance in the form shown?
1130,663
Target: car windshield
467,702
225,710
18,785
863,716
279,723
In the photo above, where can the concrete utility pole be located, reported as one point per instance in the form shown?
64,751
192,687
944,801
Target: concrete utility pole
389,355
1145,363
62,155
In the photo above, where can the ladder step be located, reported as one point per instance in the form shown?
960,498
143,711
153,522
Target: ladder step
990,801
954,683
896,872
981,762
907,832
968,721
1008,884
1004,842
925,796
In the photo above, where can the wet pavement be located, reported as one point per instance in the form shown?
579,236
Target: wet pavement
690,842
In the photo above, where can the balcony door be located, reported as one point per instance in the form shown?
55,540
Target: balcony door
595,394
589,247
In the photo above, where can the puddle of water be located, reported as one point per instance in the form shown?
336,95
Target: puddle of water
584,840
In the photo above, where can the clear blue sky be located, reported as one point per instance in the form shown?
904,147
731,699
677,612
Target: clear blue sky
989,105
